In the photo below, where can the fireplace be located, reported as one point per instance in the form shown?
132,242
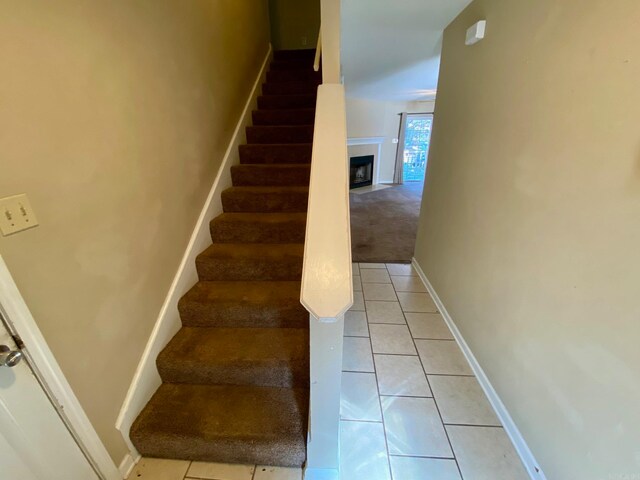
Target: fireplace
361,172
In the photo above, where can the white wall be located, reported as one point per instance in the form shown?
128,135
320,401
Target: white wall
373,118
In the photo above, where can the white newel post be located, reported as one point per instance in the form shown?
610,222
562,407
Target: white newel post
324,418
327,280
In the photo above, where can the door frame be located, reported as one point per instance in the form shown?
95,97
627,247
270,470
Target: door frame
19,320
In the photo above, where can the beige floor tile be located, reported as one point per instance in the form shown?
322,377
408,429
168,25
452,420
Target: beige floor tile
416,302
359,397
400,375
159,469
462,401
357,355
413,427
379,291
357,283
414,468
358,302
355,324
428,325
371,265
393,339
408,284
384,312
277,473
363,452
355,269
442,357
220,471
375,275
401,269
485,453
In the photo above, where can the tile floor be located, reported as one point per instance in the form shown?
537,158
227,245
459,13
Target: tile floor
428,418
411,408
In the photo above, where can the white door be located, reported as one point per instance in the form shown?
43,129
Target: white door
34,441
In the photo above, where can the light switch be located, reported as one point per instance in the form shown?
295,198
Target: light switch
16,215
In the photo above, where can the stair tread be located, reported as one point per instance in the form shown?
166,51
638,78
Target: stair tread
262,251
241,217
247,292
291,101
268,189
271,174
224,423
242,304
238,347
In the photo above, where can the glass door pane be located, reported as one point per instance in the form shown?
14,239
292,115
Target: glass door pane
416,147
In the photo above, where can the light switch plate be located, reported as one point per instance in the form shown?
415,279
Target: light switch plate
16,215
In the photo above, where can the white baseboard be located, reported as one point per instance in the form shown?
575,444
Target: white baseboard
127,464
146,379
321,474
529,461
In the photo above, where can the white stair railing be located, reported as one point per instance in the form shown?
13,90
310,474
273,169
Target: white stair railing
327,283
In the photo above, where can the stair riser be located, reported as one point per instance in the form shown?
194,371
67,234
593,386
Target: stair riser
279,102
278,135
239,315
270,176
232,232
274,374
303,54
239,269
290,88
265,202
284,117
303,74
274,154
233,451
292,65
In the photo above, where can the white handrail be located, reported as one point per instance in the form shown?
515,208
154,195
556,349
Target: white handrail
327,283
327,288
316,62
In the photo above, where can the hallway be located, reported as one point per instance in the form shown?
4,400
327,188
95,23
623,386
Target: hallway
397,422
384,223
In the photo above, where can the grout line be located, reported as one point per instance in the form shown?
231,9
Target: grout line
375,372
406,396
422,456
435,339
472,425
360,421
449,375
435,402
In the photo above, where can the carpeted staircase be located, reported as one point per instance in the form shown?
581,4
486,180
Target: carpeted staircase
236,376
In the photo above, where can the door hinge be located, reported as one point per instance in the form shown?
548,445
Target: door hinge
19,343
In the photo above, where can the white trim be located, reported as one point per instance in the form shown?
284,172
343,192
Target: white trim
321,474
529,461
127,465
370,141
146,379
56,385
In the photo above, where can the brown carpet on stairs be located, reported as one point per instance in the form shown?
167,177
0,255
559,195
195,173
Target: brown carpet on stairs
384,224
235,378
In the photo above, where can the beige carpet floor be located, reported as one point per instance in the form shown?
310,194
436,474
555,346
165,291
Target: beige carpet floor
384,223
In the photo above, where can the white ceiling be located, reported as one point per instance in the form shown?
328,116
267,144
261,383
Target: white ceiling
391,48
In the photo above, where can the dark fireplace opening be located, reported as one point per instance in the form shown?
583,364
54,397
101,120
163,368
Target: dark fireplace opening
361,173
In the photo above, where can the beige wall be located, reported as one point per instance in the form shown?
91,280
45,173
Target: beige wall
530,226
294,23
378,118
114,120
